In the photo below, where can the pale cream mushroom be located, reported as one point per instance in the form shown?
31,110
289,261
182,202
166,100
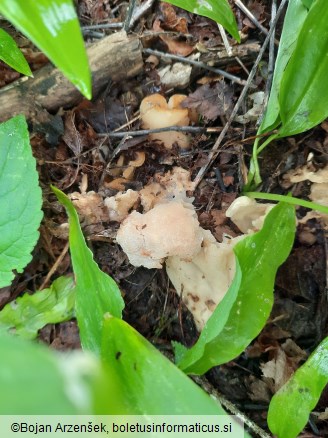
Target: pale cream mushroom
203,281
248,214
168,229
120,204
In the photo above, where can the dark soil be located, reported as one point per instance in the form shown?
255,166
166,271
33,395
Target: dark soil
299,317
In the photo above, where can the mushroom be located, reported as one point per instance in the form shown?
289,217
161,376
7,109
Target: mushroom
169,229
120,204
248,214
203,281
156,113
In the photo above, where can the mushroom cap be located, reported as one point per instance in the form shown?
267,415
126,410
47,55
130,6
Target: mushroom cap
156,113
168,229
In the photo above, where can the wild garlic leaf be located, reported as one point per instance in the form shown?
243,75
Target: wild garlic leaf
291,406
29,313
303,94
217,10
243,312
294,19
11,55
96,292
53,27
149,382
20,199
37,381
307,3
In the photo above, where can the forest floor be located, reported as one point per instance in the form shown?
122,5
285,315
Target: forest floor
85,157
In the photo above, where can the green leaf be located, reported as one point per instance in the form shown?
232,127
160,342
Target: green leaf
53,27
96,292
291,406
303,95
29,313
243,312
294,19
151,384
20,199
34,382
217,10
11,55
307,3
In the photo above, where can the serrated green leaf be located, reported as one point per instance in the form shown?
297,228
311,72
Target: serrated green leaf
303,94
29,313
37,381
217,10
96,292
291,406
20,199
242,314
294,19
53,27
11,55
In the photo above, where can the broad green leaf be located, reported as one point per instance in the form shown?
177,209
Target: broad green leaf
52,25
96,292
307,3
294,19
11,55
20,199
217,10
29,313
151,384
35,380
242,314
303,94
291,406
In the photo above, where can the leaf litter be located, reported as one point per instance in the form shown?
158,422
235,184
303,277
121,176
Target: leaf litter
111,195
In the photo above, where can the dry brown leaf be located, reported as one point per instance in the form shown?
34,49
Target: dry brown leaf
170,19
175,46
72,137
211,100
277,371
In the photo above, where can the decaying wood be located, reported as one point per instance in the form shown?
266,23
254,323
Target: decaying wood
245,52
116,57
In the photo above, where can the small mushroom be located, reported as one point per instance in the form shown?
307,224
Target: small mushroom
156,113
120,204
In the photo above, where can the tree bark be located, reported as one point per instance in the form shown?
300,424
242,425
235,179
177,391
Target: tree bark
115,57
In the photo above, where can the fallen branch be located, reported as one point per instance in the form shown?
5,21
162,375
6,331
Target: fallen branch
115,57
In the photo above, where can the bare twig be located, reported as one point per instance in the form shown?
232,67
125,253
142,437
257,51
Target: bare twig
253,19
140,11
215,150
271,49
206,385
270,63
197,64
93,34
103,26
225,40
141,132
55,266
131,8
